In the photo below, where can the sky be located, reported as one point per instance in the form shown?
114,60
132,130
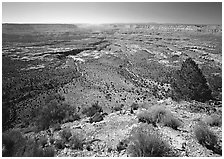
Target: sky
113,12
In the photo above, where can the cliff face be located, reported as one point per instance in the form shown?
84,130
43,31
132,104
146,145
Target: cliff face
180,27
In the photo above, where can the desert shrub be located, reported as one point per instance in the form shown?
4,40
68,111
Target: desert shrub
90,111
76,141
161,115
53,112
59,144
51,140
48,152
34,149
13,143
66,134
144,117
123,144
172,122
7,145
144,142
206,137
158,114
43,141
213,120
189,83
6,116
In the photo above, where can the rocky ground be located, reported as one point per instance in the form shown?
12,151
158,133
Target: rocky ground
106,135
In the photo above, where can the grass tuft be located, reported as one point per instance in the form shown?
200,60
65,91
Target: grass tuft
158,114
144,142
204,135
207,138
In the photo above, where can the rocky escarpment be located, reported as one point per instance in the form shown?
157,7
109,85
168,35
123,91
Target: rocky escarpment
180,27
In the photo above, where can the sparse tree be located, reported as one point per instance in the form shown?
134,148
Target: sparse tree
190,83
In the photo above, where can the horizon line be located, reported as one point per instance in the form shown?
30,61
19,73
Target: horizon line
109,23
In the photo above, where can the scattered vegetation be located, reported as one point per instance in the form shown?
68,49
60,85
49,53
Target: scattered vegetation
158,114
206,137
146,143
189,83
19,86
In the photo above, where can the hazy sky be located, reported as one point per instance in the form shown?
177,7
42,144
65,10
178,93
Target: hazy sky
127,12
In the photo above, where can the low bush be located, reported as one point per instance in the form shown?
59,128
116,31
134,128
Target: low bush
76,141
213,120
39,152
49,152
43,141
59,144
52,140
13,143
34,149
206,137
123,144
52,113
90,111
144,117
147,143
158,114
7,145
172,122
66,134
